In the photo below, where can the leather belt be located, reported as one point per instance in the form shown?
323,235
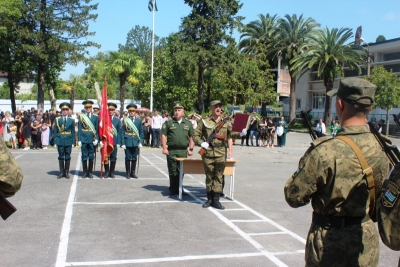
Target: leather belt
65,133
86,130
131,134
329,221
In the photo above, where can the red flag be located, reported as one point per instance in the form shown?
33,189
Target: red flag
105,127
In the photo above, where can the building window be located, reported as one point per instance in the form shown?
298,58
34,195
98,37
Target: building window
391,56
298,103
318,100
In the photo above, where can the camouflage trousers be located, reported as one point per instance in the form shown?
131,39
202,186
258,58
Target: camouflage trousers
214,168
355,245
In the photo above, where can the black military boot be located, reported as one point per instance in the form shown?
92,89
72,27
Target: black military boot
89,173
216,204
84,168
106,170
133,167
209,201
112,168
67,162
128,168
62,169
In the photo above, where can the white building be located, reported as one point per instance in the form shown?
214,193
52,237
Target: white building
310,90
24,87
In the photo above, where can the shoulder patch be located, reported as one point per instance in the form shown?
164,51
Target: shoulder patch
205,124
390,195
321,140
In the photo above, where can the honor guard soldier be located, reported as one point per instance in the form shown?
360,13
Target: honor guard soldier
109,167
177,135
215,151
64,138
88,137
342,177
131,140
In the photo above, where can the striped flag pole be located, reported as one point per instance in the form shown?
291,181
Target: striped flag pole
152,8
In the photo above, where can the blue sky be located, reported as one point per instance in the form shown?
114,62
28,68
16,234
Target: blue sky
117,17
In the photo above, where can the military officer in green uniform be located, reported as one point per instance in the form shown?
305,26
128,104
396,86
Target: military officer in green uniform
332,175
64,138
131,140
214,160
88,137
176,137
109,167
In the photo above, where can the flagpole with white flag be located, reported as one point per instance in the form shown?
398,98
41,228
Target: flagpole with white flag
153,9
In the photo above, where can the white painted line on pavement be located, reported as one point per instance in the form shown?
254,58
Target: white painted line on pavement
168,259
288,252
66,227
232,209
19,156
250,221
268,233
133,203
151,163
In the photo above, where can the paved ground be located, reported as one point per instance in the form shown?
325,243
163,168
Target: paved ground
120,222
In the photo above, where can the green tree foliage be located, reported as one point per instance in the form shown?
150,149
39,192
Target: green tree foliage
58,30
205,36
126,67
293,32
328,53
387,95
380,38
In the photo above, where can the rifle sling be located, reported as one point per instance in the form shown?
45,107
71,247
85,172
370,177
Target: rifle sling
367,171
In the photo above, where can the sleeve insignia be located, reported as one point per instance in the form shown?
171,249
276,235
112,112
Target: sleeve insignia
390,195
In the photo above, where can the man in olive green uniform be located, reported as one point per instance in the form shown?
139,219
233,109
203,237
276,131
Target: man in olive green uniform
331,176
214,160
64,138
388,210
177,135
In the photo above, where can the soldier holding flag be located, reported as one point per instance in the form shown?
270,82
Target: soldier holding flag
88,137
131,140
109,165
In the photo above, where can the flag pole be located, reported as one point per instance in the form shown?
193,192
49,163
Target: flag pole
152,58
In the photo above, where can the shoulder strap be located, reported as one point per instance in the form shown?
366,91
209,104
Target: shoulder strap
367,171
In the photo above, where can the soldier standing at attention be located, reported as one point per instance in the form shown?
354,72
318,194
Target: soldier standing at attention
177,134
88,137
64,138
340,176
116,128
214,160
132,140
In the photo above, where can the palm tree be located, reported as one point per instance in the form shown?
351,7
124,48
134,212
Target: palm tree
125,67
329,54
257,34
293,32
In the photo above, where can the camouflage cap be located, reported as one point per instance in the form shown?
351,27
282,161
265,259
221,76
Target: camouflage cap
215,102
178,105
356,91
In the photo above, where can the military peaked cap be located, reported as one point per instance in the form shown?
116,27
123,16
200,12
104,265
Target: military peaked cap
65,105
215,102
178,105
88,103
112,105
131,107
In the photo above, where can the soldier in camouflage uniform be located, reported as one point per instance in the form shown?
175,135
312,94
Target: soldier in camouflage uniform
330,175
10,173
388,210
214,160
177,134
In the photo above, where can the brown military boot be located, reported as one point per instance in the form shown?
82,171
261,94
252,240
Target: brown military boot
209,201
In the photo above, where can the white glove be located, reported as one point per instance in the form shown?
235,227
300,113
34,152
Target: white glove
101,144
79,143
123,146
95,142
204,145
55,146
73,146
140,145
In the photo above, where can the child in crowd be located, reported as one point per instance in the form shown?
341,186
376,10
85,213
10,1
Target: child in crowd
279,134
13,135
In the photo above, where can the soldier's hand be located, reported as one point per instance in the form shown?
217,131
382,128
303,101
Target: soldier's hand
95,142
55,146
205,145
101,144
140,145
165,151
123,146
190,153
80,143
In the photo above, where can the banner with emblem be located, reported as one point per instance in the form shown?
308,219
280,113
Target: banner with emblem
105,127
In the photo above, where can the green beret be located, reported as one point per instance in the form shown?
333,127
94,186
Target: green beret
356,91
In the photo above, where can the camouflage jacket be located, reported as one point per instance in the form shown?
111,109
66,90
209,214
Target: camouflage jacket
10,173
205,128
331,176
